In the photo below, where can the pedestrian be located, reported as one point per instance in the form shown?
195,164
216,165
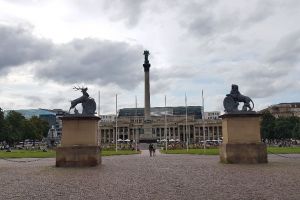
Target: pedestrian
153,151
150,149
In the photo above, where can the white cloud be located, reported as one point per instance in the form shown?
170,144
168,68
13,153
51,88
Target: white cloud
193,44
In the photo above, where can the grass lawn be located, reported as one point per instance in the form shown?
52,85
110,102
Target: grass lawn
284,150
193,151
119,152
51,153
27,154
271,150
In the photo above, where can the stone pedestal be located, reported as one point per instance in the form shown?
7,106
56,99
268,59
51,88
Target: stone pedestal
79,145
241,139
147,136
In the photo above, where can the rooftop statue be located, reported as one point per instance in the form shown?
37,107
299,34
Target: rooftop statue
88,104
232,100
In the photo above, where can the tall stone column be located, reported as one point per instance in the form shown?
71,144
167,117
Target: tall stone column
147,136
147,86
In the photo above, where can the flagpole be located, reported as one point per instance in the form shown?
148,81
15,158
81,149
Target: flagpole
116,122
166,123
135,127
186,135
203,122
99,103
99,127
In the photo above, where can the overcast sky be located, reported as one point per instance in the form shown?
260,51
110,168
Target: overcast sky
47,47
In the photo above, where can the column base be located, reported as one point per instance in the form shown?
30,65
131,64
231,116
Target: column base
78,156
243,153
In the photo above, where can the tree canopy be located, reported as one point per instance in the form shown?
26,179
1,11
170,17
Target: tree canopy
15,128
279,128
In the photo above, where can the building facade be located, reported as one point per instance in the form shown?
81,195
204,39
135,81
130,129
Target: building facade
284,109
212,115
169,123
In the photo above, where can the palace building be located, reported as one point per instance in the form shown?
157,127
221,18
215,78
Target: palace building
171,123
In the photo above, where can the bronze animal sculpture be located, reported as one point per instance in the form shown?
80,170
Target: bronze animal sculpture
232,100
88,104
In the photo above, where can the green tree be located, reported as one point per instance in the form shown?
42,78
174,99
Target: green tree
268,126
3,126
28,131
284,127
15,125
39,128
296,130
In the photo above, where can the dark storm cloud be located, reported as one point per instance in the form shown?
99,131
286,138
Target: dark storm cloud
275,73
282,61
129,11
18,46
287,51
259,81
95,61
213,18
33,100
88,60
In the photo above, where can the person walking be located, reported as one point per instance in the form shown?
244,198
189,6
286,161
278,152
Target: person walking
151,149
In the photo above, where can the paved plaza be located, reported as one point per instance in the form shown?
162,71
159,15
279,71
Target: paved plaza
160,177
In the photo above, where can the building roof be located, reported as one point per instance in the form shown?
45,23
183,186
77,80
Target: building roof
28,113
160,111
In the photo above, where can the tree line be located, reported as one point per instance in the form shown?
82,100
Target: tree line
15,128
282,128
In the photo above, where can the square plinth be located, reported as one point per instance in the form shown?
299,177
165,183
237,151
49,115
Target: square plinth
147,135
241,128
243,153
79,130
242,139
78,156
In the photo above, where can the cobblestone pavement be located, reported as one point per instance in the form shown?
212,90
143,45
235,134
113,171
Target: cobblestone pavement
160,177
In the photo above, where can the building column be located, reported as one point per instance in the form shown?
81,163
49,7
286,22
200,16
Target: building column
123,133
159,129
194,134
199,133
174,132
105,132
109,135
128,133
114,135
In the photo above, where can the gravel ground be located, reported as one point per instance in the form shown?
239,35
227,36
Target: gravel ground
160,177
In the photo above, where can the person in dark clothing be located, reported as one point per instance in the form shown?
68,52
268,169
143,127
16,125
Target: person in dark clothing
151,149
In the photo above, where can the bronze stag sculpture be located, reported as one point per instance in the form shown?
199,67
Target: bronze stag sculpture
88,104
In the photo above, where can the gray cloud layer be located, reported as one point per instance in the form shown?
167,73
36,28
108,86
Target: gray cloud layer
95,61
18,46
79,61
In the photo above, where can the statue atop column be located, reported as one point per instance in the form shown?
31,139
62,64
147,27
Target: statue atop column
146,53
232,100
88,104
146,62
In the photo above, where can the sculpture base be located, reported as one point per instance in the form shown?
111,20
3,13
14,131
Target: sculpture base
147,135
243,153
79,145
79,130
241,139
78,156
